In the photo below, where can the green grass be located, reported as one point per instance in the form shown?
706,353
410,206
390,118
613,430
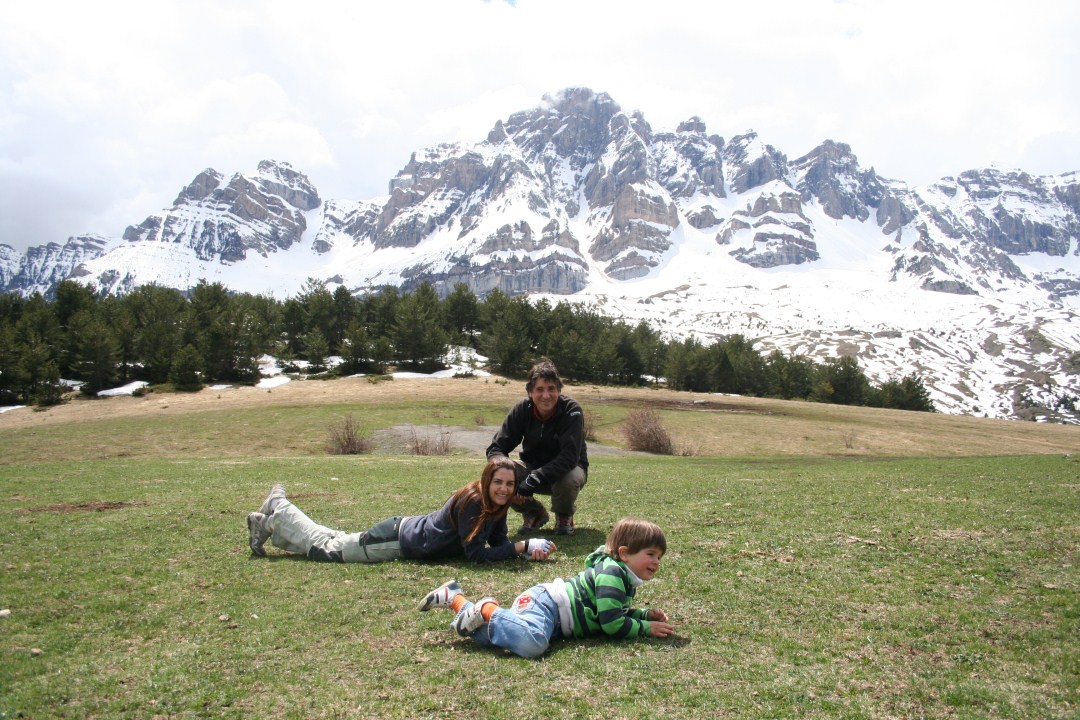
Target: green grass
801,587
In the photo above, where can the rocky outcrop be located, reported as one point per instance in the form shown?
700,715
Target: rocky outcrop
263,213
690,162
43,267
750,163
831,175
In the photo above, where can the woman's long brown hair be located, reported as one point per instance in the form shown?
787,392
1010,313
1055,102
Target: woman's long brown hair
481,490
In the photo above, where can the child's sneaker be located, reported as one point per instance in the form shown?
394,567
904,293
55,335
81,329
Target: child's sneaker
470,619
276,493
258,532
564,524
442,596
533,522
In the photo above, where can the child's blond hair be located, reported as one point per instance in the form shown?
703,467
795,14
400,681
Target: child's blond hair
635,535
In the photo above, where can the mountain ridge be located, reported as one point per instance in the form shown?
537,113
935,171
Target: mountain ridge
578,200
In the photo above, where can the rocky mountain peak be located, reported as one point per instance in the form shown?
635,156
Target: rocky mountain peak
263,212
831,173
279,178
693,125
574,123
198,189
751,163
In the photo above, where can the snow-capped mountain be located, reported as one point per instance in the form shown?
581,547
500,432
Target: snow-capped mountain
972,282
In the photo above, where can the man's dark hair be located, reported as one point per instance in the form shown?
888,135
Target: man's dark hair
545,369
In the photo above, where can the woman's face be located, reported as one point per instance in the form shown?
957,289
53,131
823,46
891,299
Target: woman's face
502,486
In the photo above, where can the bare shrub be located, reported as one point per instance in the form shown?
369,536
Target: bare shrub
687,450
349,438
644,432
589,424
427,445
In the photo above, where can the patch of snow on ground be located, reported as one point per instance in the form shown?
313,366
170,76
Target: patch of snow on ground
128,389
273,382
6,408
460,361
268,365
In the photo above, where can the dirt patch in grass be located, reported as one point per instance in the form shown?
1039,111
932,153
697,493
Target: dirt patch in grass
90,506
693,405
957,535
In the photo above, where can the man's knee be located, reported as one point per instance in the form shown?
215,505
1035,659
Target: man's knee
575,479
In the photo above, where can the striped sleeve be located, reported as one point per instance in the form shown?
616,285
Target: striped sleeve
613,612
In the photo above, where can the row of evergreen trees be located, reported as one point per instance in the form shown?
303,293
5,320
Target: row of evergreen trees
161,335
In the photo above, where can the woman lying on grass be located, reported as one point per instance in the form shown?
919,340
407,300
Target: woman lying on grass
472,523
597,601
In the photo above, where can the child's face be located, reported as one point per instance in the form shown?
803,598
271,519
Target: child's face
502,486
644,563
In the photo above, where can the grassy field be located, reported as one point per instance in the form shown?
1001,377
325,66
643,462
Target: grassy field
823,562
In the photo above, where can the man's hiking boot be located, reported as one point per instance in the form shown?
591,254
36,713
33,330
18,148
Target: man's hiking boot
564,524
532,523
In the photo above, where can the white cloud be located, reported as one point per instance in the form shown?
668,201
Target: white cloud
107,109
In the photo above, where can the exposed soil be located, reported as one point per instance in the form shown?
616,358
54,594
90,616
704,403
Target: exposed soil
90,506
475,440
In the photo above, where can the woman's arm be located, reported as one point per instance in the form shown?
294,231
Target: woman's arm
478,549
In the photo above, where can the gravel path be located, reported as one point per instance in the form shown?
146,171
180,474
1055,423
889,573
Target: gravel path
401,438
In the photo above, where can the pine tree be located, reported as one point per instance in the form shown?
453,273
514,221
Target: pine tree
419,340
158,313
507,339
356,350
96,355
846,380
461,315
186,370
316,348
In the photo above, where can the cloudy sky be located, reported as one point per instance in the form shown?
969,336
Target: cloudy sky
108,108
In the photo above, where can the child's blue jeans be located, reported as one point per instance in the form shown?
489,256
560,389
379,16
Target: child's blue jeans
526,628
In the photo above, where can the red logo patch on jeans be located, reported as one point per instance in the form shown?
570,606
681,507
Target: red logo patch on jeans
522,602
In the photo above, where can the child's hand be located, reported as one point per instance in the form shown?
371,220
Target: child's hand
657,614
660,629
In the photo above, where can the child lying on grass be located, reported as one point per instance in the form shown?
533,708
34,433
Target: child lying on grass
595,602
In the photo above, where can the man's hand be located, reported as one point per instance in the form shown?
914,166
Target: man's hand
529,485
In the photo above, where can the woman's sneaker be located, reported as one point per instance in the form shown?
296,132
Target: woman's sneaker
258,532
